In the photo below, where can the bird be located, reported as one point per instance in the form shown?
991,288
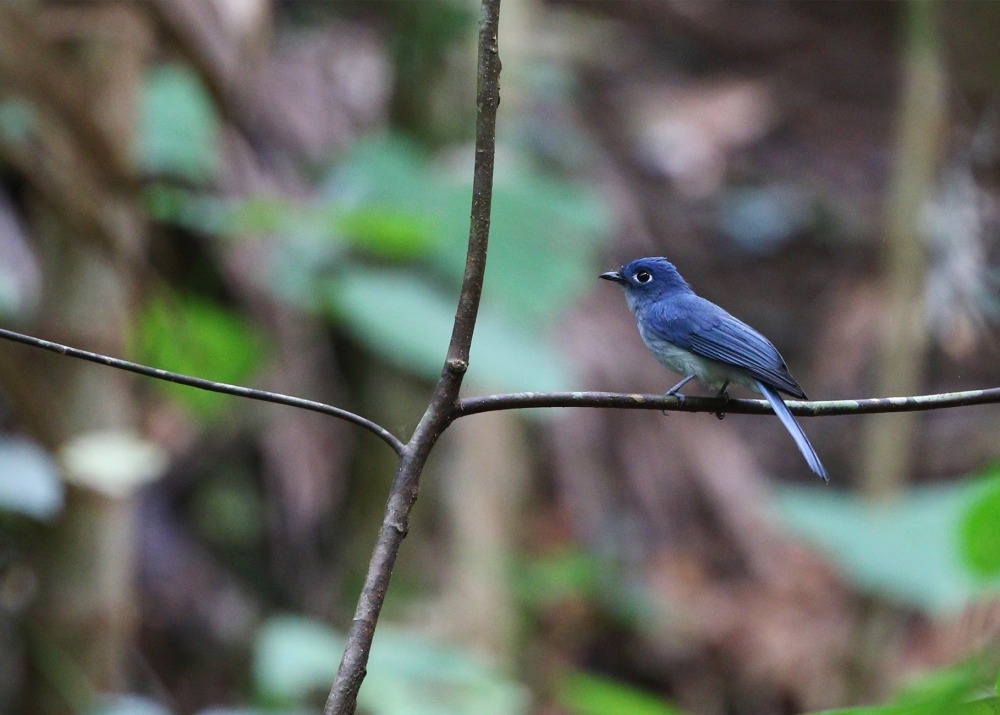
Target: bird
697,339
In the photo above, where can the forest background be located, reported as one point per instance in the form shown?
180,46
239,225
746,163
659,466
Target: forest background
276,194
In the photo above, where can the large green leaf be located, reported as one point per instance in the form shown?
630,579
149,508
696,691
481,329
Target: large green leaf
907,549
178,127
407,673
405,320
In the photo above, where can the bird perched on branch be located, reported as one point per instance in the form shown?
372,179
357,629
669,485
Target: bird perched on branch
697,339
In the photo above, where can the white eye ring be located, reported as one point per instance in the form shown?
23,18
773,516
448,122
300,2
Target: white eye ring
643,277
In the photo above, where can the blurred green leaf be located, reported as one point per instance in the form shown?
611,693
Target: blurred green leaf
406,321
552,578
586,694
29,479
385,230
544,235
544,230
986,706
386,169
195,336
410,675
980,531
963,688
907,550
294,657
544,238
572,575
407,674
178,127
934,692
227,511
18,119
388,231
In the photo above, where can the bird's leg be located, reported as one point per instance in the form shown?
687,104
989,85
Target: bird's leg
675,390
724,396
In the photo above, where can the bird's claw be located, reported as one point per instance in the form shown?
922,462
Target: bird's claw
675,394
724,396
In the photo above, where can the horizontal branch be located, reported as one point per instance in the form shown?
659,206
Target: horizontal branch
530,400
199,383
524,400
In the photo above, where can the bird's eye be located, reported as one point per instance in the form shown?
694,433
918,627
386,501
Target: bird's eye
643,277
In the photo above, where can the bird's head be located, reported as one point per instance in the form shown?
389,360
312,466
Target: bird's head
647,278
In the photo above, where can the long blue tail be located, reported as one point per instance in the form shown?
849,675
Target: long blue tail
778,405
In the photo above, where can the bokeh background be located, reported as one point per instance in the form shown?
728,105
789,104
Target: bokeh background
276,193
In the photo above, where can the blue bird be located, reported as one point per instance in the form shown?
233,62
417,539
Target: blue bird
697,339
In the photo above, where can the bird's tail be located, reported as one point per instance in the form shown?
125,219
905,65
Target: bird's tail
781,410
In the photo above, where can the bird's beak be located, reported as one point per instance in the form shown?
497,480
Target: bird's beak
615,276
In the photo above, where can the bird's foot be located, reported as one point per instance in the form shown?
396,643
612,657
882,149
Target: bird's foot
724,396
675,393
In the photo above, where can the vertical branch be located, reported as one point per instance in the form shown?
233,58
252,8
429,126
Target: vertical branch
487,99
443,408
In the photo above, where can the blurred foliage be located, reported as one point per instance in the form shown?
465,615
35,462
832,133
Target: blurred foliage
573,574
228,513
196,336
390,201
544,230
29,480
966,688
587,694
178,129
113,462
425,35
980,530
410,323
126,705
18,119
295,658
908,549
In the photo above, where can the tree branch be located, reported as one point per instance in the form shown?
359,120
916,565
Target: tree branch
443,406
615,400
221,387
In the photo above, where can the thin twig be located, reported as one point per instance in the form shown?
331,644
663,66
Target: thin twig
525,400
442,408
202,384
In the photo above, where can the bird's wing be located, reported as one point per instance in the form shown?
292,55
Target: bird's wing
709,331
